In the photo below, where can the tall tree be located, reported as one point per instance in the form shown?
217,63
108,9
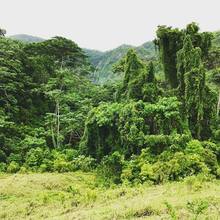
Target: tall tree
192,89
139,82
170,41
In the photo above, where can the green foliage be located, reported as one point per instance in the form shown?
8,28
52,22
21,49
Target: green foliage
54,118
110,168
171,211
128,127
3,167
83,163
193,92
170,41
197,207
174,163
139,81
35,157
13,167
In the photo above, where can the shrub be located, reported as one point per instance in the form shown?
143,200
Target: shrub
15,157
217,135
110,168
83,163
43,168
197,207
215,148
207,151
46,166
13,167
70,154
210,160
180,166
3,156
35,157
147,172
62,166
194,147
32,142
3,167
23,170
131,171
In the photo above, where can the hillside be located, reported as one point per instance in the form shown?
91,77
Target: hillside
76,196
27,38
103,61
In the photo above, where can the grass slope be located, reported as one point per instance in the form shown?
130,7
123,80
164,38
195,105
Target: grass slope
77,196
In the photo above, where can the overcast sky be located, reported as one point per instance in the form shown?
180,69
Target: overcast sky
105,24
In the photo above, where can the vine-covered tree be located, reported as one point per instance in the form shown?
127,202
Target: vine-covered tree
193,92
170,41
139,82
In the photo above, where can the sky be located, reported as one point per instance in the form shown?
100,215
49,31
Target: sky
105,24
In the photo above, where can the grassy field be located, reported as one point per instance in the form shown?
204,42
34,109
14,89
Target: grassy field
77,196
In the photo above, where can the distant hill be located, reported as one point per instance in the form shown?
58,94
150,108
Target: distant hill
27,38
103,61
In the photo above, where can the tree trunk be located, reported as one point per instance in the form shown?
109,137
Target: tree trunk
53,138
218,106
58,124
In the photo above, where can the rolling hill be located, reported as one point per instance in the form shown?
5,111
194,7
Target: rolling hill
27,38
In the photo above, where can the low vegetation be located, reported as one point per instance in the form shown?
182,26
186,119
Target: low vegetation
78,196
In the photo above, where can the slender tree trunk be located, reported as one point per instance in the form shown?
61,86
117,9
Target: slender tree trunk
53,138
71,136
61,63
218,105
58,124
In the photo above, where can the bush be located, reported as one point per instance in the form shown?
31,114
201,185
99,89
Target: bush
110,168
3,167
3,156
217,135
15,157
70,154
207,151
180,166
13,167
215,148
23,170
83,163
62,166
147,172
194,147
131,170
46,166
35,157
